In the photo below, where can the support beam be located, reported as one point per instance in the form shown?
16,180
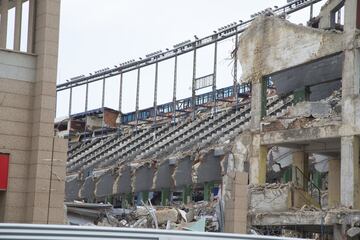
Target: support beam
349,183
4,22
17,31
334,183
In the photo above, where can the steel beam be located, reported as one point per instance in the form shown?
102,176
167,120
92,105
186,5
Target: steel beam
174,90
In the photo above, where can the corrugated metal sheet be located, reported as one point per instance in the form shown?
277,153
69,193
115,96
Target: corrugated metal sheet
66,232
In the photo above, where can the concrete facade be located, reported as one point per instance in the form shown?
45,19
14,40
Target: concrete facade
35,191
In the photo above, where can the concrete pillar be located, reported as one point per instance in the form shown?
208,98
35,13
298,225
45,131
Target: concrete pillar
236,206
258,164
4,22
334,183
339,232
300,172
45,189
17,32
349,180
187,194
256,104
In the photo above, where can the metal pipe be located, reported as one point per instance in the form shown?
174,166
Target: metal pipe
174,90
120,93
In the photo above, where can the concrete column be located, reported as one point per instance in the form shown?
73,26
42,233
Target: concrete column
258,163
351,71
334,183
45,188
17,32
236,206
349,180
4,22
256,105
300,162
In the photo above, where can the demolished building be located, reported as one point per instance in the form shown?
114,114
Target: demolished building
282,159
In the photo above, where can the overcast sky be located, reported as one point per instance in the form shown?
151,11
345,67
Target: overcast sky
97,34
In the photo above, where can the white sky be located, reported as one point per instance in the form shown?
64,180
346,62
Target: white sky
96,34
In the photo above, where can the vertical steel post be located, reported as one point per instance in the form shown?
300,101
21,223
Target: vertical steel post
137,99
103,94
174,90
235,86
120,93
311,11
155,93
102,106
120,100
86,104
214,79
193,88
86,96
70,101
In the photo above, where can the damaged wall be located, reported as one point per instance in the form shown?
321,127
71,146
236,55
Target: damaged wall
262,46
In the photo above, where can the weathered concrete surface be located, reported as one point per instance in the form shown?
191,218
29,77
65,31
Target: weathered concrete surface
208,168
162,176
300,135
325,13
72,187
142,177
262,46
104,184
275,199
122,183
87,189
182,174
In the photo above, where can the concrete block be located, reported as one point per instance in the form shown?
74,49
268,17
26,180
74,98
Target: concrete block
15,199
15,100
15,128
17,184
15,114
14,143
47,61
57,215
16,87
43,115
48,22
49,7
42,129
14,214
18,170
44,87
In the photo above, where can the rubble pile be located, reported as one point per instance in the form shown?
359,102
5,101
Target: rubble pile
199,216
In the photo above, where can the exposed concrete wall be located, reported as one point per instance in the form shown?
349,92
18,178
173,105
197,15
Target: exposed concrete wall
262,46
